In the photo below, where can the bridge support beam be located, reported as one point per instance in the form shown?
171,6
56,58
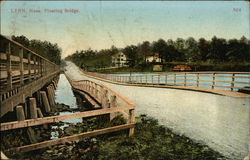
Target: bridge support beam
33,108
20,113
50,96
39,112
45,101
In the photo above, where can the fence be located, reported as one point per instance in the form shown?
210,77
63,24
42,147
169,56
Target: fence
22,72
20,65
214,80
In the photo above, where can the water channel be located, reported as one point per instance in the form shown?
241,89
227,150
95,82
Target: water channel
219,121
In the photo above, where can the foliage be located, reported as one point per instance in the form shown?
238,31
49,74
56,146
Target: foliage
43,48
90,59
216,51
151,141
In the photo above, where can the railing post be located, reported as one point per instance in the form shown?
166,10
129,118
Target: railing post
158,78
213,81
185,79
166,79
152,77
113,101
175,79
21,66
39,67
232,84
131,120
35,67
29,65
105,101
9,72
197,80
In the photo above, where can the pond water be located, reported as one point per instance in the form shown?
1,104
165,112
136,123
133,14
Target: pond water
65,95
219,121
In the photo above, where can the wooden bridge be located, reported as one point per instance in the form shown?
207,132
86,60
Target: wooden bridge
28,83
23,73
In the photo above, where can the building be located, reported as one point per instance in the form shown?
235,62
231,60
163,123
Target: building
154,57
119,60
181,67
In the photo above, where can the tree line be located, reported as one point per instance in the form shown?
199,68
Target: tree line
44,48
214,51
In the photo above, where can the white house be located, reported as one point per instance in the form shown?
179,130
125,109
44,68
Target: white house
154,57
119,60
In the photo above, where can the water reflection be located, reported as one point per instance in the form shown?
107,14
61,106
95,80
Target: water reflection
65,95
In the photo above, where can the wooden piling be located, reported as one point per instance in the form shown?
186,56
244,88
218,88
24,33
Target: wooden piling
20,113
53,94
50,96
33,109
45,101
39,112
25,109
39,99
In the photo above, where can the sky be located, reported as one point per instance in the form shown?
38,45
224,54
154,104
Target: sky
101,24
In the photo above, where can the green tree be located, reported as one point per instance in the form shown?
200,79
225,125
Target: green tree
192,50
204,49
132,55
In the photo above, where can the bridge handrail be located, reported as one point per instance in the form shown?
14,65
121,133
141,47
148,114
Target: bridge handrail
175,79
20,64
27,49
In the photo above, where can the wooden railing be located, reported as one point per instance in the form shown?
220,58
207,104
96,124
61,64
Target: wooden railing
105,96
111,103
21,70
20,65
214,80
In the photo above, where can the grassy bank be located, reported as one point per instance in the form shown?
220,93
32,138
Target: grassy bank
151,141
167,67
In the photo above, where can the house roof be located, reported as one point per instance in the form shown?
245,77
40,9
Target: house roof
152,54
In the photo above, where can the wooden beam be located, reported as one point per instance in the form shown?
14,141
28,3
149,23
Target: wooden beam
8,67
54,119
90,100
21,66
76,137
